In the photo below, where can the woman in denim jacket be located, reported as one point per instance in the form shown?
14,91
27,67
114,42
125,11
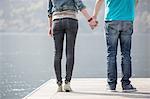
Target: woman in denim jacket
63,21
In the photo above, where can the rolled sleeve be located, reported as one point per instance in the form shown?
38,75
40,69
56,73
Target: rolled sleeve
79,4
50,6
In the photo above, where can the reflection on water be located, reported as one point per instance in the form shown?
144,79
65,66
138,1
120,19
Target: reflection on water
26,60
13,85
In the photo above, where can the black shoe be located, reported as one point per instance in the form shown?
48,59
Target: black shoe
128,88
111,88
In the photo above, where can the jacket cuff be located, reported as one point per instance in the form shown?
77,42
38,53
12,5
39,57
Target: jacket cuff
49,15
81,7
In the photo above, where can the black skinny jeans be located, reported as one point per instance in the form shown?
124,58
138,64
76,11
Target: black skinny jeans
62,27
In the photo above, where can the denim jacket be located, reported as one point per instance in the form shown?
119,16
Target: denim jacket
63,5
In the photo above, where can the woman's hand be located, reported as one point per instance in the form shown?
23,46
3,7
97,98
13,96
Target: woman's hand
50,33
93,23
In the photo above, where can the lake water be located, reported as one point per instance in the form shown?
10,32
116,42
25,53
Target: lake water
26,60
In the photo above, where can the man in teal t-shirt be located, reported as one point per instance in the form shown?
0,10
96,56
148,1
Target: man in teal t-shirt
119,17
119,10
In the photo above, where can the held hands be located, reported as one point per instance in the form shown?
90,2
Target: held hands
93,22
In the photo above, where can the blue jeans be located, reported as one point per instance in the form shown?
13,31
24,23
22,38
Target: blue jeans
64,27
118,31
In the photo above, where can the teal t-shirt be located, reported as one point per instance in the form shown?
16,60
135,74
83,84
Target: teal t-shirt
119,10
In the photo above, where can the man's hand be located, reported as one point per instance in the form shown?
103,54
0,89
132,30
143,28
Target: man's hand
93,23
50,33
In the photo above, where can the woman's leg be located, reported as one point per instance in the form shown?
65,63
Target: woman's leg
71,28
58,40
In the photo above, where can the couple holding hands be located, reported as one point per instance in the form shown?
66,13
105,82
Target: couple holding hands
119,17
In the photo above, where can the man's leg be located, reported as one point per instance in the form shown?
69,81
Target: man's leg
125,43
112,34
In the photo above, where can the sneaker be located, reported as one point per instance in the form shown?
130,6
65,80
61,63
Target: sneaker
128,88
59,89
111,89
67,87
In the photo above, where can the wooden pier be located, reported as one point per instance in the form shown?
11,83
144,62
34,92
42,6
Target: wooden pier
91,88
